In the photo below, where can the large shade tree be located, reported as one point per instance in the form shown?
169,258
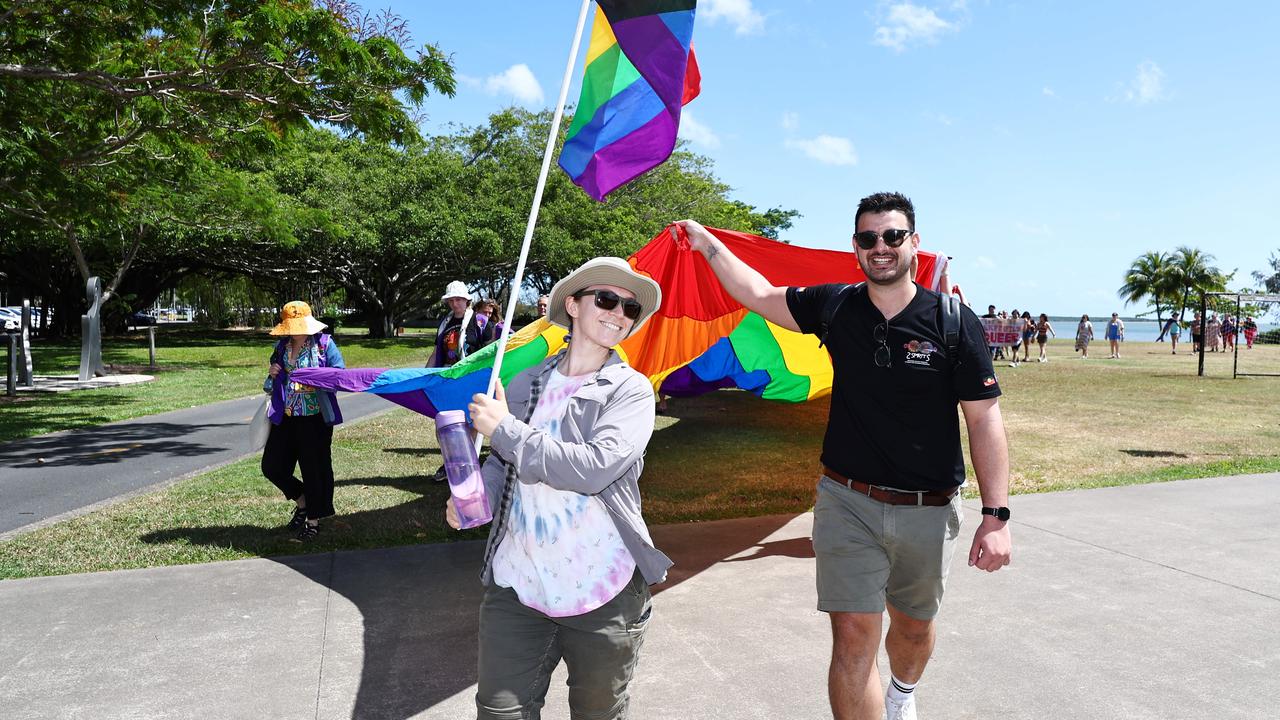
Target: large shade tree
113,115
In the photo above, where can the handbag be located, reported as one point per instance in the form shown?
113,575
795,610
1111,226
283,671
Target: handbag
260,426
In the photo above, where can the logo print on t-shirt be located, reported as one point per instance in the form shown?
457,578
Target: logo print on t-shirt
920,352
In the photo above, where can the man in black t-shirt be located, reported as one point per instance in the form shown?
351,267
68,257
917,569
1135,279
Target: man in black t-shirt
888,509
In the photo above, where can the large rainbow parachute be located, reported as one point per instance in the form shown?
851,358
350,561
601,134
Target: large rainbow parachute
700,340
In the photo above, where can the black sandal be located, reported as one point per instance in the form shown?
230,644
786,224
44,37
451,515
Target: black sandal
298,520
308,532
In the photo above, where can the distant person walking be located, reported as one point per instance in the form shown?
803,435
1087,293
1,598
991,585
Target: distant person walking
1084,334
1213,333
1043,331
1028,332
1228,333
1115,335
1168,327
1197,333
1175,333
302,420
1250,331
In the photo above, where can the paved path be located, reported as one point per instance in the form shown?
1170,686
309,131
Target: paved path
51,477
1152,602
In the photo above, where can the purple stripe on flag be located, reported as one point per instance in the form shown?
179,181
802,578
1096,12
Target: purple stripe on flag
630,156
660,57
349,380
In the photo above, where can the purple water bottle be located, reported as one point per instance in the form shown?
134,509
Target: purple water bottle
462,468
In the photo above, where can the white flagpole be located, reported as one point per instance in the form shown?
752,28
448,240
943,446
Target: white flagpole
537,202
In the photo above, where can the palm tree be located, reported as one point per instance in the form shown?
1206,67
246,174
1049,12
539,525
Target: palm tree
1151,276
1192,271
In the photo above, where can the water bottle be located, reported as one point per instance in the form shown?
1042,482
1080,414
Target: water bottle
462,468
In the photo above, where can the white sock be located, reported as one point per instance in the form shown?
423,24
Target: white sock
899,691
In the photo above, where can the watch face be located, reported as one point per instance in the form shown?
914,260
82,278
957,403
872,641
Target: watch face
1001,513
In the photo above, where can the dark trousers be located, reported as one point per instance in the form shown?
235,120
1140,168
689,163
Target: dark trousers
302,442
520,648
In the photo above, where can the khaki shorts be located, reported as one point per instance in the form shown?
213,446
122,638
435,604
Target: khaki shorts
869,552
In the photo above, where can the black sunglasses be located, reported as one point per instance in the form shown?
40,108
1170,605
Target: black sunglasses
893,237
608,300
882,357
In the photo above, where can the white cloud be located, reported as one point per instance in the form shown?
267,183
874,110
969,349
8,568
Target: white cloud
827,149
1048,92
744,18
910,24
790,120
697,133
1041,229
1148,85
982,262
516,81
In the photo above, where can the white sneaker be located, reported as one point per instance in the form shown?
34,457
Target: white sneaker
906,710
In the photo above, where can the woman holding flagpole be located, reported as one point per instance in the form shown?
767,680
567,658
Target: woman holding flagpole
569,560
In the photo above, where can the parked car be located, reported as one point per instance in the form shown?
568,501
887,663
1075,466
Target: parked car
140,318
9,320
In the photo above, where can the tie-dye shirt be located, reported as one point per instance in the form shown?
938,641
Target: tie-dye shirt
562,554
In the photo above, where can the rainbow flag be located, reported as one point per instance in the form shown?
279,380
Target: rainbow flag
701,339
640,70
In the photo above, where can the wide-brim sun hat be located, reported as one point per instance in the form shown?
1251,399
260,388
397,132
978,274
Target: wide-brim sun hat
605,271
296,319
457,288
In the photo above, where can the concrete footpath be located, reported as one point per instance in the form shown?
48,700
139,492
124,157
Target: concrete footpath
1155,601
52,477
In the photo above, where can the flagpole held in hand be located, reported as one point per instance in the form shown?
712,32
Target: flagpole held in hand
514,295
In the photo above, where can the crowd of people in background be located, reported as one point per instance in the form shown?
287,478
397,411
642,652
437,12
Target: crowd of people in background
1215,334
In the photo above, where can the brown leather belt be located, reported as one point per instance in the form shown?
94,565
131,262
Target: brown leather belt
932,498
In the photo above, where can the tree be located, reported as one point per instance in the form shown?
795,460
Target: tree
1191,271
1270,282
392,226
111,111
1151,276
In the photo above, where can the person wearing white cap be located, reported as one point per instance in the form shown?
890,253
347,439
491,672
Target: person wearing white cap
569,560
452,342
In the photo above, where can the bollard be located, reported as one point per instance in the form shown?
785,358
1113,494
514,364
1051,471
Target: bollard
11,387
151,342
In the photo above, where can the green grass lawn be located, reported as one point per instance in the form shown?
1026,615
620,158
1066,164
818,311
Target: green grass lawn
194,367
1071,423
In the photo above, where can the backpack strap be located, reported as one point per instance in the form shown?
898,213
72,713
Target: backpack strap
949,310
833,304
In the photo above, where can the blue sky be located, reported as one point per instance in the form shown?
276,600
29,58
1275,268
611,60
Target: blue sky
1046,144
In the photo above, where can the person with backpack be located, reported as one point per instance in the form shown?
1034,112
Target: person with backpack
302,419
887,516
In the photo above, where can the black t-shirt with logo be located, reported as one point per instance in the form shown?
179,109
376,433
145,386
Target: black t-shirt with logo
897,426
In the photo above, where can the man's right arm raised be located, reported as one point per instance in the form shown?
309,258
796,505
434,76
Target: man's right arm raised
742,281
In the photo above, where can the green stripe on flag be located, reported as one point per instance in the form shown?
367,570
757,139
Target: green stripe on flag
756,349
608,75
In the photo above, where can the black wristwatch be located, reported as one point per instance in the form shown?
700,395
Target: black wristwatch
1000,513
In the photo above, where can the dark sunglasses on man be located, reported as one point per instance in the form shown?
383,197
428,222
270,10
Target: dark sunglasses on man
893,237
608,300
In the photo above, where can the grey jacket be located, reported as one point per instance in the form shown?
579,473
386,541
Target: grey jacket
607,427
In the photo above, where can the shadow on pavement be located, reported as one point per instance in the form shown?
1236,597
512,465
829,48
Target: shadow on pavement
418,606
105,445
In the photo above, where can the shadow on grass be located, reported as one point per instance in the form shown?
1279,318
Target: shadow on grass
107,444
1154,453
